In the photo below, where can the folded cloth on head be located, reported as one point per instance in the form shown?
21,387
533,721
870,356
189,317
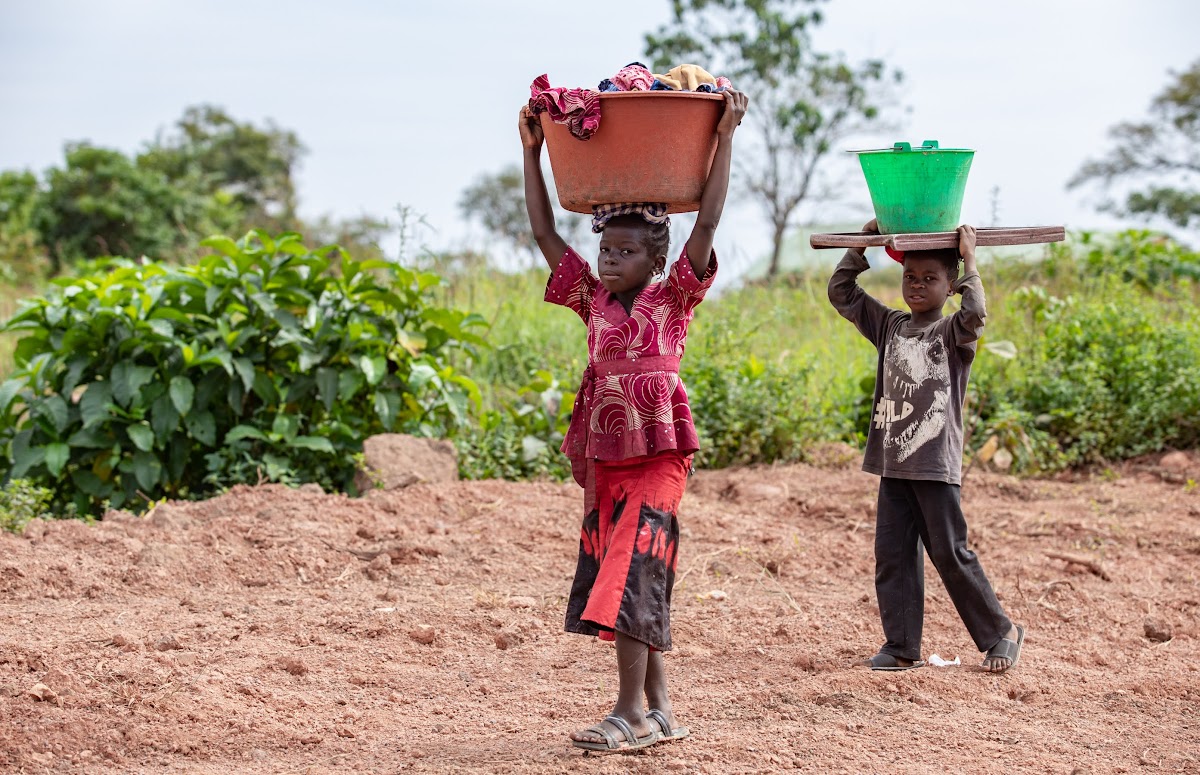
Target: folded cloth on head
651,212
579,109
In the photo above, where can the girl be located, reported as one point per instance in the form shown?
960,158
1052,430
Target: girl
631,437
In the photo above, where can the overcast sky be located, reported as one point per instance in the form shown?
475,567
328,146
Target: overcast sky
407,102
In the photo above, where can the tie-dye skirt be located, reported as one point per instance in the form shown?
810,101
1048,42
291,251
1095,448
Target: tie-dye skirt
628,550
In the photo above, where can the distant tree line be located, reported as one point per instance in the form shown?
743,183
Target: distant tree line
210,173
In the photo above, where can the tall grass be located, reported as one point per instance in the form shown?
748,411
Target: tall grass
1106,340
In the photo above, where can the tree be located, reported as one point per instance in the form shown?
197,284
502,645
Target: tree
802,102
1165,149
497,201
103,204
213,153
20,250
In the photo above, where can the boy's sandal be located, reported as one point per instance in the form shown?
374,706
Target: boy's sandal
883,661
660,718
611,743
1005,649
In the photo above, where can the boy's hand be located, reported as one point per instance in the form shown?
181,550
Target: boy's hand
735,111
966,246
532,135
871,227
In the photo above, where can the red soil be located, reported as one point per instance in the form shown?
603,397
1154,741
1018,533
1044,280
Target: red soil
277,630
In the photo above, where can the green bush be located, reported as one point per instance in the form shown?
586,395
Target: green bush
1091,354
21,501
1106,379
521,439
264,360
751,412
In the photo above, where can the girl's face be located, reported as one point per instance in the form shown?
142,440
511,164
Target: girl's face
625,264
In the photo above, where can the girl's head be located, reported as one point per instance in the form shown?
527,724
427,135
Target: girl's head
632,253
634,240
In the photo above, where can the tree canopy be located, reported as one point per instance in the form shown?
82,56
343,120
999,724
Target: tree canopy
802,101
1158,158
210,174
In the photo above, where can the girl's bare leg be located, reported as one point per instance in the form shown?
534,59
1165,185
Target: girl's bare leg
632,662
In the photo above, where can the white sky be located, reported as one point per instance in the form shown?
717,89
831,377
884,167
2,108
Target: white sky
408,101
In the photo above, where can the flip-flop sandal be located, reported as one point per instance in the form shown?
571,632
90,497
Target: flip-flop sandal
611,743
883,661
1005,649
660,718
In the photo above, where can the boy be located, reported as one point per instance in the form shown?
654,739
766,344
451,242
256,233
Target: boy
915,446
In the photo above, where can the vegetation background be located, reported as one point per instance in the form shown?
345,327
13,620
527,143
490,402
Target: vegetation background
145,357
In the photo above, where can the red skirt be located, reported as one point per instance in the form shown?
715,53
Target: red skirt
628,550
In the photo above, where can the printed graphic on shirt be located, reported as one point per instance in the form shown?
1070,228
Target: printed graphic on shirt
912,407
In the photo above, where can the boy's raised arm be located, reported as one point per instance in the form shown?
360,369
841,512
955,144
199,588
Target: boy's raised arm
968,321
866,312
712,201
537,198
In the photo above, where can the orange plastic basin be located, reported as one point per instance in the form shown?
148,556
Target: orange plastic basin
651,146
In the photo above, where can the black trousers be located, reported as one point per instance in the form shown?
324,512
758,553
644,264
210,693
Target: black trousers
913,512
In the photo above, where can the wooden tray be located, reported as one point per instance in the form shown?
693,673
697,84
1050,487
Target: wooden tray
984,237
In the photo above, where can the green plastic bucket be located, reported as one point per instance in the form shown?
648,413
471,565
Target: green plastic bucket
916,189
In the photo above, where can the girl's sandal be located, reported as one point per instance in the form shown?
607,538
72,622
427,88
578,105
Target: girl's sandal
660,718
611,743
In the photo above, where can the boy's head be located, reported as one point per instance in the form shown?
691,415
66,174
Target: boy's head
632,251
928,279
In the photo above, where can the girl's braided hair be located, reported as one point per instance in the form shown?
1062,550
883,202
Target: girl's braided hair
655,236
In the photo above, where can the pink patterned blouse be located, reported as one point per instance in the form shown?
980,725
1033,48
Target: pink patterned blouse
631,401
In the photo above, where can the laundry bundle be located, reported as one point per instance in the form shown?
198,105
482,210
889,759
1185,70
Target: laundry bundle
579,109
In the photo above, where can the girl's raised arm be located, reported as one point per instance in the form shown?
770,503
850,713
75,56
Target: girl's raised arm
712,201
537,199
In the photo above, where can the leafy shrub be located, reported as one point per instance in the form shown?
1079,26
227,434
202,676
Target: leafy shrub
264,360
751,412
521,439
21,501
1146,259
1104,379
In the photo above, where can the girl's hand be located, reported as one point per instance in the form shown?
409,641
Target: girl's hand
532,135
735,110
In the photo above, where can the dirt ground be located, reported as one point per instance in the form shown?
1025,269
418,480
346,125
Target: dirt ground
277,630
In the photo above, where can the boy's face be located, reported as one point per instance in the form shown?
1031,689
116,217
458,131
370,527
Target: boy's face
926,285
624,263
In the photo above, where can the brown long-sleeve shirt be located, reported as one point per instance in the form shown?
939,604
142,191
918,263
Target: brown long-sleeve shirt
921,378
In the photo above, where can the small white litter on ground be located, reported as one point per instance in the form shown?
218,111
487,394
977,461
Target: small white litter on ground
937,661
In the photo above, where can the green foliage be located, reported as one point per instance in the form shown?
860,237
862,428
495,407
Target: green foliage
1164,149
1151,261
21,502
20,251
250,168
497,202
803,102
103,204
764,41
213,174
1107,370
263,360
751,412
1090,355
521,439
